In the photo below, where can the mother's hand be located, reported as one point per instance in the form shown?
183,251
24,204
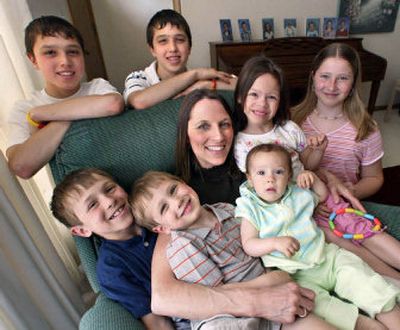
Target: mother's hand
337,189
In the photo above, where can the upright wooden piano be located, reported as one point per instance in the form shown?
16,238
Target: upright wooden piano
294,56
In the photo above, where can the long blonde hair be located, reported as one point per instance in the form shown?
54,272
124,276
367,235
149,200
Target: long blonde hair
353,107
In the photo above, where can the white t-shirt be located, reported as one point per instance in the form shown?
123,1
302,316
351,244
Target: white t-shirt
142,79
19,130
288,135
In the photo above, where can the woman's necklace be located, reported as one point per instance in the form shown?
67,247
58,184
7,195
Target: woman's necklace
326,117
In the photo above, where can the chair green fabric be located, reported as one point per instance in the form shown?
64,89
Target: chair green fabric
125,146
107,314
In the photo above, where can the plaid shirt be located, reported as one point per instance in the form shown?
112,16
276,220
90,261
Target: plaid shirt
212,256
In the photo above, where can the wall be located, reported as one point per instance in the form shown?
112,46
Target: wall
121,25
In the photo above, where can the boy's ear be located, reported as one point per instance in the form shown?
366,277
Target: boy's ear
160,229
152,51
79,230
32,58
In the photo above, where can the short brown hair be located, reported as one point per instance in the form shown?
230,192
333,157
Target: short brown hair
269,147
71,185
164,17
50,26
141,194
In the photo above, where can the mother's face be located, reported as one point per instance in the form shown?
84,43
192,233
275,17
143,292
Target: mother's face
210,132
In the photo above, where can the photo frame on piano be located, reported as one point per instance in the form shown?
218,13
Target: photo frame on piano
329,27
343,27
226,29
290,27
312,27
244,29
268,28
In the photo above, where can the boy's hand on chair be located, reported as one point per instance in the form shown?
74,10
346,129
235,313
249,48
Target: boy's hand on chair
210,73
200,84
287,245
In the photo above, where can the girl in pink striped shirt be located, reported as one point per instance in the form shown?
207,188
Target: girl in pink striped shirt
350,146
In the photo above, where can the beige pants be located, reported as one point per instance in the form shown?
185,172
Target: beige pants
229,322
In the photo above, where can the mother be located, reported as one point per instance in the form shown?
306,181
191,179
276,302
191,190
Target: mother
205,160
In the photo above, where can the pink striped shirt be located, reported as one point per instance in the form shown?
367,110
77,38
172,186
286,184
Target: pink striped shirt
343,156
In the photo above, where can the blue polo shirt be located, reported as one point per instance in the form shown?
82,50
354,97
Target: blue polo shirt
124,271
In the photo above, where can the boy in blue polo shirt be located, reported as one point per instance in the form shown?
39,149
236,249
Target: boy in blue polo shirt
89,201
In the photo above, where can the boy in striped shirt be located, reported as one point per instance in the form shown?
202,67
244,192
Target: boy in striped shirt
205,246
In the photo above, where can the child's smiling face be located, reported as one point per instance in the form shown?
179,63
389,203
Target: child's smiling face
173,205
171,49
61,62
333,81
262,101
103,209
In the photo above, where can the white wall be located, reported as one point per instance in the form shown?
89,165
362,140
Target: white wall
121,26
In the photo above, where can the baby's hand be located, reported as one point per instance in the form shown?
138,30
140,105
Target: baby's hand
287,245
305,179
318,142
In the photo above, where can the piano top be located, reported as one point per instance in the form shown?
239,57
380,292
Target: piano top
294,55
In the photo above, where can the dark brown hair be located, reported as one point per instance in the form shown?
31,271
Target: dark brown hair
184,154
50,26
252,69
161,19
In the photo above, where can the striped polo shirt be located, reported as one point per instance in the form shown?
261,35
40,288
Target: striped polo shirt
212,256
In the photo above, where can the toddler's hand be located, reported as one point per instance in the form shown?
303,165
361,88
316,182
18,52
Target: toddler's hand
305,179
287,245
318,142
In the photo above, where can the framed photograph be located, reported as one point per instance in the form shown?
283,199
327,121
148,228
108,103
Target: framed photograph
343,27
290,27
312,27
244,29
329,27
370,16
268,28
226,29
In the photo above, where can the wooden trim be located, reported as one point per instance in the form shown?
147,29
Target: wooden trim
83,19
176,5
